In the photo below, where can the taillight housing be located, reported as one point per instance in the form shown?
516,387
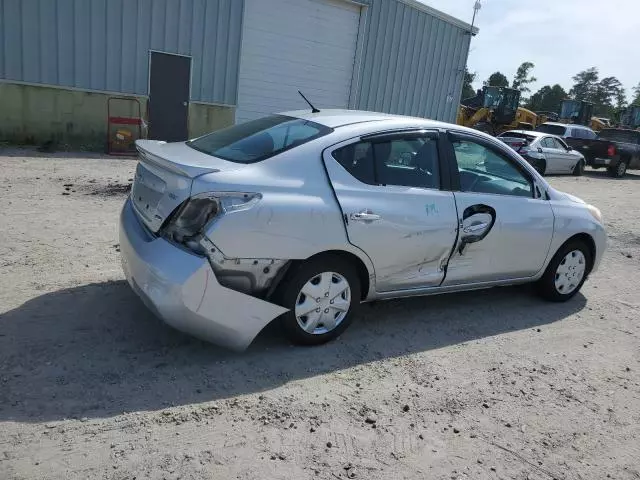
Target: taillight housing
611,151
197,212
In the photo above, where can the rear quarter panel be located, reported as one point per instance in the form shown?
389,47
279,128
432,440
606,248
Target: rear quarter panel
297,217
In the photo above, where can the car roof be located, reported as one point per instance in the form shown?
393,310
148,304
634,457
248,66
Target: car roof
572,125
533,133
339,118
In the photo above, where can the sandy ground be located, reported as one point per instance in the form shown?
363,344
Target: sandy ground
484,385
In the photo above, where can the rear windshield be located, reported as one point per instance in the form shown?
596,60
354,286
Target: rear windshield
259,139
619,136
552,129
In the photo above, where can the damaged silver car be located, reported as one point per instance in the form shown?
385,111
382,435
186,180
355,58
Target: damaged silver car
302,216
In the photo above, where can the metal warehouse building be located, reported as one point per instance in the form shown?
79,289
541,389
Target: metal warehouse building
198,65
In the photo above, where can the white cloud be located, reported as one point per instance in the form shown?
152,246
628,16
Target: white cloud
562,37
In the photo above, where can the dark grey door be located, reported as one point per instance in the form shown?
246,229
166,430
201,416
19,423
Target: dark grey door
168,97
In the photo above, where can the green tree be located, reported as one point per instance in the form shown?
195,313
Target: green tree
636,95
585,84
497,79
608,96
547,99
467,87
522,78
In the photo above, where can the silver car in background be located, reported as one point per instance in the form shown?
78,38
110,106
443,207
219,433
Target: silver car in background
302,216
548,154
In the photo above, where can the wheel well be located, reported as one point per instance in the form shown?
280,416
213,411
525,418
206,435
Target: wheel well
588,240
361,268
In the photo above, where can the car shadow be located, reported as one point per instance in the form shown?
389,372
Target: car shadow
95,351
602,173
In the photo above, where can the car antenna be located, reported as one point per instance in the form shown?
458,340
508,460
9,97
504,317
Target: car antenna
313,109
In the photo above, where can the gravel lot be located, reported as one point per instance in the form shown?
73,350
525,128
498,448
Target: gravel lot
491,384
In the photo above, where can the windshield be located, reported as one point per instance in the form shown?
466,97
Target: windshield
570,109
259,139
552,129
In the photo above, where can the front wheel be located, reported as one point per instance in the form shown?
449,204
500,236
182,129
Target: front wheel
566,272
321,295
578,170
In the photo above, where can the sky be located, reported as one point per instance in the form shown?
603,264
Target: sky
561,37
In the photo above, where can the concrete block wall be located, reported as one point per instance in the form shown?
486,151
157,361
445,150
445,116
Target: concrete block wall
75,119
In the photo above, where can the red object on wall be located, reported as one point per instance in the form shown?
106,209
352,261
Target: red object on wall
120,134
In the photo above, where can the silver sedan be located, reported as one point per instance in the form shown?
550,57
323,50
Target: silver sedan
302,216
548,154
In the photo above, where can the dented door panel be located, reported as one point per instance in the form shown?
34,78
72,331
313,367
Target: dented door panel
407,232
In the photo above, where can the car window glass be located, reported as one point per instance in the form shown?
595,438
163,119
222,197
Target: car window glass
577,133
484,170
357,159
590,134
259,139
547,142
410,162
559,144
552,129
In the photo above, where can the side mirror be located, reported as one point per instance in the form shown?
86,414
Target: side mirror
477,222
539,149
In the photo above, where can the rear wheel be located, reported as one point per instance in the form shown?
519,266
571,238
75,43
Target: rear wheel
566,272
321,295
619,170
578,170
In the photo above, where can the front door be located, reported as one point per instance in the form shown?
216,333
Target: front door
518,241
388,188
169,79
566,160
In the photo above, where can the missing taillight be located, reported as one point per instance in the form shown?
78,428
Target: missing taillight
189,220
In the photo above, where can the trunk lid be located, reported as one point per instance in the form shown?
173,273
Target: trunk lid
164,176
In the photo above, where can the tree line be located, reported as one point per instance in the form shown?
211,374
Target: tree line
607,94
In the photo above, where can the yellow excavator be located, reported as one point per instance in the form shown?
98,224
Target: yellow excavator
630,117
580,112
495,110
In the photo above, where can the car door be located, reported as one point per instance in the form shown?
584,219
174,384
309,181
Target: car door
516,241
551,155
566,159
395,205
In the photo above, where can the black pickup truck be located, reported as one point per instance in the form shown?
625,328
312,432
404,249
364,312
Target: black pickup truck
616,149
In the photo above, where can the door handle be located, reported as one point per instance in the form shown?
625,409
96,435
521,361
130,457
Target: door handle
478,227
365,216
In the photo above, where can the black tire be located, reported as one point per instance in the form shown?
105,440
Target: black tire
578,170
619,170
289,290
540,166
546,286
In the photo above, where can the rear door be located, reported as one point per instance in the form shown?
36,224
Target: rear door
493,183
551,155
392,192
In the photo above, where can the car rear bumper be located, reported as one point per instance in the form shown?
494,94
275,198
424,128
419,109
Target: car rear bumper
182,289
602,162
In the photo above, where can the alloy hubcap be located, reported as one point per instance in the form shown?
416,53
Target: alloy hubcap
570,272
323,303
622,168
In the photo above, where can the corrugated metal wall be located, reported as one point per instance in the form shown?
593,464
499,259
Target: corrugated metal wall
394,78
104,44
